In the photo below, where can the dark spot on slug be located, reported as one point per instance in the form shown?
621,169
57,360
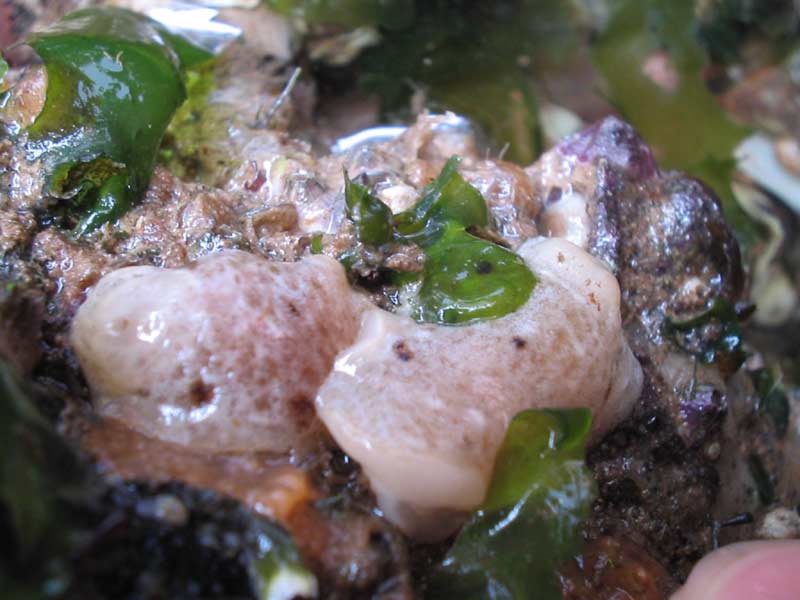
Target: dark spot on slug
200,394
402,351
484,267
293,310
302,411
518,342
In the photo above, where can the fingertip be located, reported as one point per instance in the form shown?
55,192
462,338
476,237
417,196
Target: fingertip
746,571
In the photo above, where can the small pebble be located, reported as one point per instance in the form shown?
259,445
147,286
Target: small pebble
713,451
788,152
166,508
780,524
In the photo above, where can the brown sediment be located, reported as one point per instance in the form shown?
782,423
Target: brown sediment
610,569
273,488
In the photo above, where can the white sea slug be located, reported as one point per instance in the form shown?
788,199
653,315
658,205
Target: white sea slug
226,354
423,408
